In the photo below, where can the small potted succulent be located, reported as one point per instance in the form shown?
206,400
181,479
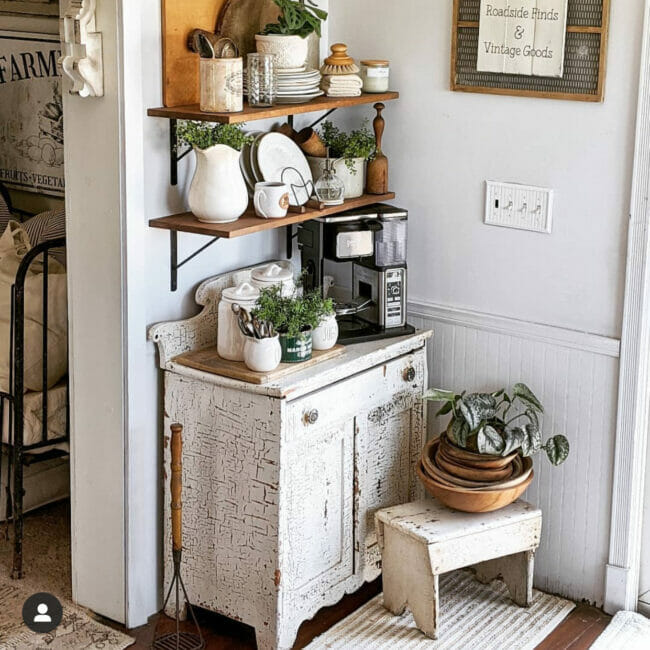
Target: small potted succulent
287,38
218,192
351,150
294,317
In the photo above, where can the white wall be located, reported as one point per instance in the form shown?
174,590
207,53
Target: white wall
442,146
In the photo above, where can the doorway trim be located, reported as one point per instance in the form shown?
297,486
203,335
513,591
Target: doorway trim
633,421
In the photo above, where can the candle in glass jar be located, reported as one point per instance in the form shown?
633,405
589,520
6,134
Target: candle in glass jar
375,75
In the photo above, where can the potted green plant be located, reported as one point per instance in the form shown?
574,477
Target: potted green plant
287,38
498,424
352,150
294,317
326,332
218,192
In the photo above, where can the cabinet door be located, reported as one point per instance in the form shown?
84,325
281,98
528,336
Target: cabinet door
388,446
318,545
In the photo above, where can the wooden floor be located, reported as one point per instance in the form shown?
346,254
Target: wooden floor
578,631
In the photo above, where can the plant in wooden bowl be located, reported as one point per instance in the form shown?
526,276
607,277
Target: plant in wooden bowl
287,38
294,317
483,460
218,192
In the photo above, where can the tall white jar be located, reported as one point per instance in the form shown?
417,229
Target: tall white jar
230,340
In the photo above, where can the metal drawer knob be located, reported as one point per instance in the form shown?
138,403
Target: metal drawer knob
311,417
409,374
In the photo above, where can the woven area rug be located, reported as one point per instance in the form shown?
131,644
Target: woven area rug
472,615
627,631
47,568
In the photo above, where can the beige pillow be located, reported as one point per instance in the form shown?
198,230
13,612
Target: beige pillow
14,245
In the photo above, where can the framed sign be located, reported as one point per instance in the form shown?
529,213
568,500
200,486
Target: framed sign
31,113
523,38
560,54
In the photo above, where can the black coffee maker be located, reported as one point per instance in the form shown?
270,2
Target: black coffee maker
366,251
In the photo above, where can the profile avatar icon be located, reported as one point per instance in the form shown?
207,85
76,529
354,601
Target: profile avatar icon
42,613
42,616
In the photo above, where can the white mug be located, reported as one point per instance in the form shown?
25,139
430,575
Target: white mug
271,200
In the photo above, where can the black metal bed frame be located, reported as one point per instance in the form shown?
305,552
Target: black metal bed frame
20,454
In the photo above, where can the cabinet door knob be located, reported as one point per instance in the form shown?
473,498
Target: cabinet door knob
409,374
311,417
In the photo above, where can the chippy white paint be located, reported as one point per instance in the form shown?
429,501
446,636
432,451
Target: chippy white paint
82,58
575,375
282,480
524,37
422,540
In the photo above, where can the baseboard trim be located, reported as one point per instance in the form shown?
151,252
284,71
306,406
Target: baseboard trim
550,334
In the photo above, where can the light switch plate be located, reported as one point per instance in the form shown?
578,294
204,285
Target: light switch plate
525,207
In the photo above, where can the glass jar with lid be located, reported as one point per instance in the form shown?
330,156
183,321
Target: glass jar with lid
376,75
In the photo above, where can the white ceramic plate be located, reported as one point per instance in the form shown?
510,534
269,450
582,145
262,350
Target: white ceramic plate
275,153
298,99
245,162
255,168
299,91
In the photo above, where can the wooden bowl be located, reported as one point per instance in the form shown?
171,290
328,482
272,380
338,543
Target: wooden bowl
468,500
471,459
523,471
472,473
440,475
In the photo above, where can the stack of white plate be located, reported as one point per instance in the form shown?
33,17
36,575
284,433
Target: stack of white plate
297,86
274,158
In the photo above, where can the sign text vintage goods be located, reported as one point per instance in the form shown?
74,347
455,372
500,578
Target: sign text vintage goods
522,37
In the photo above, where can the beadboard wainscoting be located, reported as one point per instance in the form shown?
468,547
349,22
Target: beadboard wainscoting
575,374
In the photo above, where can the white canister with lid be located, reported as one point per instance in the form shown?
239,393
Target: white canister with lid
274,275
376,76
230,340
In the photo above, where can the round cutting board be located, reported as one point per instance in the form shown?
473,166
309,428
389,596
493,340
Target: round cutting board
242,19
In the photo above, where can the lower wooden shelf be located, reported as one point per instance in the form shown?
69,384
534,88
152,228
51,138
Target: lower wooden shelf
249,223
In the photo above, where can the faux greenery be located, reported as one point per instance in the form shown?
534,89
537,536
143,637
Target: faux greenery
496,423
291,315
359,143
297,19
204,135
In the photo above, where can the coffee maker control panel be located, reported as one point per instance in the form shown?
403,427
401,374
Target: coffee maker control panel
395,281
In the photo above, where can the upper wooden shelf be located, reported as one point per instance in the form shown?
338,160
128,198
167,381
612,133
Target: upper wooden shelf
193,112
249,223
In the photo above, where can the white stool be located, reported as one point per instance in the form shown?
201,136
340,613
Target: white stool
421,540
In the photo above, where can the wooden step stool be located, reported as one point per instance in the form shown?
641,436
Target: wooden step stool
421,540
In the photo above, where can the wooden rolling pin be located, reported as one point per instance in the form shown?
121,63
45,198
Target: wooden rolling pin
377,181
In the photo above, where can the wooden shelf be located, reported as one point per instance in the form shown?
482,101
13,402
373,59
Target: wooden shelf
193,112
249,223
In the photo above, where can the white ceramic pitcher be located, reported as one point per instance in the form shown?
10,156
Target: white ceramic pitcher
218,192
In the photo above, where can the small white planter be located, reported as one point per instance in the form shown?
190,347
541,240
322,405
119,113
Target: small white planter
326,334
218,192
262,355
290,51
354,183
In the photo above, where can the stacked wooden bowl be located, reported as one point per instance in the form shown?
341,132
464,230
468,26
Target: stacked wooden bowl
472,482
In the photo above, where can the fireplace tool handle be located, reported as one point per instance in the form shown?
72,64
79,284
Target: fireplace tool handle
177,487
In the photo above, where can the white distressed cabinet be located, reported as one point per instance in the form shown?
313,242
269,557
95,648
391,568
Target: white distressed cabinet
281,481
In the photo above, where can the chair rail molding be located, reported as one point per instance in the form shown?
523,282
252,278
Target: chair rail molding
82,59
623,568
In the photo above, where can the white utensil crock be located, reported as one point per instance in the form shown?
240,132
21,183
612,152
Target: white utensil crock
354,183
262,355
230,340
326,334
218,192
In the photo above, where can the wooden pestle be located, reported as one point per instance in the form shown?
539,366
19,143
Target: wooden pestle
377,181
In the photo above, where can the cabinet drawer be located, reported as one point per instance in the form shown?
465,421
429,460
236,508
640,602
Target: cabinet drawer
402,378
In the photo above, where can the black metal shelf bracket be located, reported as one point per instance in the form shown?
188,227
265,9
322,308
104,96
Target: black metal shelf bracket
174,263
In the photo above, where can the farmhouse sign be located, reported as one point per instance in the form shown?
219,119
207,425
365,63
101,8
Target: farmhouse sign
522,37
